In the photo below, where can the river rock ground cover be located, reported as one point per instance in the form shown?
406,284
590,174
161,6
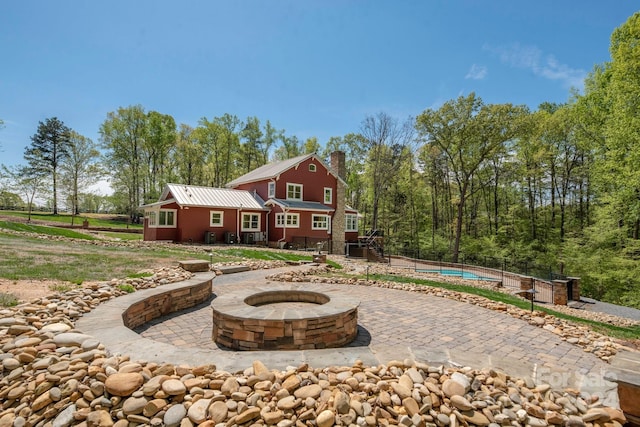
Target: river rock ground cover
54,375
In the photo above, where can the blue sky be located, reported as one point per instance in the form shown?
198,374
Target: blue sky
313,68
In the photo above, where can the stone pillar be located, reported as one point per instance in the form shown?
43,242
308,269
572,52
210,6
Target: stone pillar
338,222
560,292
575,285
526,283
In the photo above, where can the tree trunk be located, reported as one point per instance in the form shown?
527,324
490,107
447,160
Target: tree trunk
496,206
459,219
55,194
374,213
553,195
458,232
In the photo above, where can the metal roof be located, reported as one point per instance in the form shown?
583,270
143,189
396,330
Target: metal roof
300,205
272,170
196,196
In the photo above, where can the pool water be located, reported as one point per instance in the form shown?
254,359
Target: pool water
458,273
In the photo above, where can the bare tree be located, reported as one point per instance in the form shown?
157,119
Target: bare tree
386,140
26,180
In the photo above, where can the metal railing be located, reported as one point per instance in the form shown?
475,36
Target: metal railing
522,267
307,243
504,272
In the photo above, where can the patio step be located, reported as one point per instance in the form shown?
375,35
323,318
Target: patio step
230,269
625,370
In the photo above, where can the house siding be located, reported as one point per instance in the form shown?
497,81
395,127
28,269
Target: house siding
305,228
313,187
313,183
260,187
162,233
195,222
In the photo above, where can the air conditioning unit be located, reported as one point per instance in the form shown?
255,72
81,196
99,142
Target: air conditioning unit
248,238
230,238
259,236
209,237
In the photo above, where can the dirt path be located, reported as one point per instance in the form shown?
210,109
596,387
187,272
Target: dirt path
26,290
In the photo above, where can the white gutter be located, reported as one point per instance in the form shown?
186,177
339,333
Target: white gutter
267,229
238,224
284,231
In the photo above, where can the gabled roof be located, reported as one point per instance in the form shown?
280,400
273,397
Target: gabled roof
209,197
299,205
273,170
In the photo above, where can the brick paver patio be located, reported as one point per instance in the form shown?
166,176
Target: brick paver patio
398,319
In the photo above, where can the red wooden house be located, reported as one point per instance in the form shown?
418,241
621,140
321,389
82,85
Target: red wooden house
298,202
189,213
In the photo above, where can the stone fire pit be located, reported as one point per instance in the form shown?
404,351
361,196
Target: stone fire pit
284,317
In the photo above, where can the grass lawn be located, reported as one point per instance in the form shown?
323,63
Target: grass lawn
43,229
268,255
96,220
30,257
121,236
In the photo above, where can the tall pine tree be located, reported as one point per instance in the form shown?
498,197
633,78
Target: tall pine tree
49,146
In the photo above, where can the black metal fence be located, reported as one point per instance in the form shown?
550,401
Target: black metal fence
522,267
505,273
306,243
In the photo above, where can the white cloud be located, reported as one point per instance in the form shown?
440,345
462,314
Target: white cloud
532,58
477,72
102,188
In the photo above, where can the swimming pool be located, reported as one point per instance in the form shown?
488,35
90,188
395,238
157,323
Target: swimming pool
459,273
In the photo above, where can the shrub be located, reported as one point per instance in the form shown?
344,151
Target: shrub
127,288
8,299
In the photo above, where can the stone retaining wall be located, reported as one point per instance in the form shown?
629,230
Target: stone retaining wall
164,303
246,320
317,333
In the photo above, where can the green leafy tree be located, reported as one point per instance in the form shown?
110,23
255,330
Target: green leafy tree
291,147
10,200
123,135
530,154
621,156
92,202
250,149
311,146
353,145
80,169
27,181
469,134
188,157
158,145
49,147
270,137
385,142
220,142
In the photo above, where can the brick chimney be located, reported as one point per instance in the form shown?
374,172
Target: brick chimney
338,222
338,164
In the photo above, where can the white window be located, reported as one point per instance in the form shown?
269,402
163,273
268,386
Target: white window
351,222
151,215
167,218
288,220
250,222
217,218
319,222
294,191
312,167
272,189
328,195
